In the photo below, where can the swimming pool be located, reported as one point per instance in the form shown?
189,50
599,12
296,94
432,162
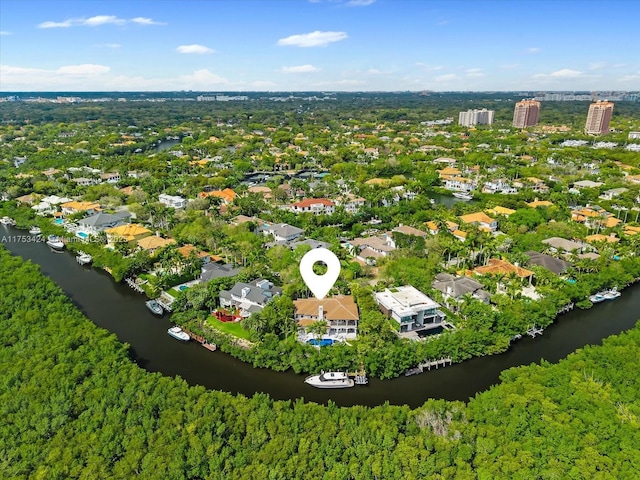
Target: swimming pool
182,288
325,342
58,221
82,235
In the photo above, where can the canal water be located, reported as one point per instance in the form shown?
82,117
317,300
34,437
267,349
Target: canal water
118,309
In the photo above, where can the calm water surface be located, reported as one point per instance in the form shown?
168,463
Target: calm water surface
118,309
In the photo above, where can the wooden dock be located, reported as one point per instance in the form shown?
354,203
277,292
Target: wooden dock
567,308
533,331
360,377
428,365
134,286
201,340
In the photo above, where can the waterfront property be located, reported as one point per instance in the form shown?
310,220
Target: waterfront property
249,297
410,308
454,288
340,314
129,233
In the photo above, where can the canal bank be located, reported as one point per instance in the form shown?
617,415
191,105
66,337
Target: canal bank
118,309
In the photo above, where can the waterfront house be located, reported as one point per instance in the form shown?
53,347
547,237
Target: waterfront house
553,264
213,270
153,243
460,184
100,221
129,233
249,297
411,309
340,314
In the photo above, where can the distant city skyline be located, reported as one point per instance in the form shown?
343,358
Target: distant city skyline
316,45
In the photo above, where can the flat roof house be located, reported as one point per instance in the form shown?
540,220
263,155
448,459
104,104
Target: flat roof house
410,308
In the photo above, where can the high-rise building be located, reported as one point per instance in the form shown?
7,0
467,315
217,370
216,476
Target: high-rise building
599,117
526,113
476,117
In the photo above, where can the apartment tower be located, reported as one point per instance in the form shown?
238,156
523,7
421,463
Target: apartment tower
599,117
476,117
526,113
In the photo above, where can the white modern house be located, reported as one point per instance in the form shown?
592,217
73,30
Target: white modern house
172,201
413,310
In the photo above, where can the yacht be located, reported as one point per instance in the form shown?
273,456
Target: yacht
35,230
55,242
463,195
597,298
7,221
154,306
611,294
178,334
330,380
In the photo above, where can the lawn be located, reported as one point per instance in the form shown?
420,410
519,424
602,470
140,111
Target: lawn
231,328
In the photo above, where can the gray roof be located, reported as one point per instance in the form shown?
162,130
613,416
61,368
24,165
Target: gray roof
104,219
563,244
458,286
311,242
285,230
214,270
256,294
556,265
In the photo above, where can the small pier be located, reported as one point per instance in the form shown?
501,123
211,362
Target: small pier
428,365
360,377
165,302
134,286
201,340
567,308
533,331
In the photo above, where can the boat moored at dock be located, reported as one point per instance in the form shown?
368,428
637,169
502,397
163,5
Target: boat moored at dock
83,258
7,221
611,294
178,334
35,230
463,195
55,242
154,306
330,380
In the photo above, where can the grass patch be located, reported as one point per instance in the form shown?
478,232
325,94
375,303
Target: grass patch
230,328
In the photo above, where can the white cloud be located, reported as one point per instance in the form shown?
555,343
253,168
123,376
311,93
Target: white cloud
566,73
112,45
630,78
97,21
533,50
313,39
84,70
195,48
375,71
300,69
103,20
146,21
204,79
4,32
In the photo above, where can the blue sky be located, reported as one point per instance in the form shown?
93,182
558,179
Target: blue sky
292,45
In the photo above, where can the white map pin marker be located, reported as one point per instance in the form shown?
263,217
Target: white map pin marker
320,284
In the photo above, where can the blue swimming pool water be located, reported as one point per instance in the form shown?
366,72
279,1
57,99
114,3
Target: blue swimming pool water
182,288
82,235
325,342
58,221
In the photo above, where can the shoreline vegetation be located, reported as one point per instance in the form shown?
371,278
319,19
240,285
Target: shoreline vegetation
74,405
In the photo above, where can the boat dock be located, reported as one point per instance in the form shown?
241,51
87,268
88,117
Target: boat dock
428,365
132,283
567,308
165,302
201,340
533,331
360,377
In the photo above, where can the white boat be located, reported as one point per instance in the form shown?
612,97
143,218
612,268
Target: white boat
154,306
178,334
35,230
7,221
55,242
597,297
83,258
330,380
611,294
463,195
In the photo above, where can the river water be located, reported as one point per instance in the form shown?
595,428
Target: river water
118,309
